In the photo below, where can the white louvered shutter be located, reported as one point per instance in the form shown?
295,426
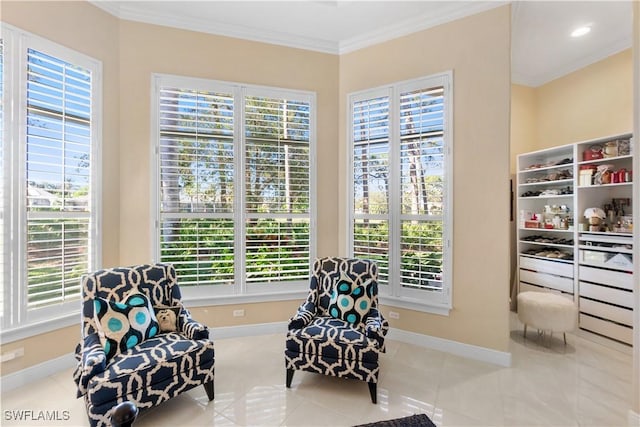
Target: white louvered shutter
422,161
277,189
197,191
371,126
58,178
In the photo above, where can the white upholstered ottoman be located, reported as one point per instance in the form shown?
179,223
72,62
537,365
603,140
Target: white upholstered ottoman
545,311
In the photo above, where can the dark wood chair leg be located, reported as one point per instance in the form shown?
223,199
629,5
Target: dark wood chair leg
289,377
208,387
373,390
124,414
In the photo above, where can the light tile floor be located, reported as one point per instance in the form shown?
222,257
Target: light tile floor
582,384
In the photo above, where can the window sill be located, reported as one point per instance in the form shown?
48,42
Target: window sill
411,304
40,327
215,300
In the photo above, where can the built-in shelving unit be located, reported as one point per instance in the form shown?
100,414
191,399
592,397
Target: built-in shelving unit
560,250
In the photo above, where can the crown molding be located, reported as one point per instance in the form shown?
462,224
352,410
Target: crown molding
416,24
137,13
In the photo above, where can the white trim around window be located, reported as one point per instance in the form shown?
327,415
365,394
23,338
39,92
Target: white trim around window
51,185
233,175
400,168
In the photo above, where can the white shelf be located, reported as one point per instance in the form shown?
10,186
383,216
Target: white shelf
546,230
553,196
606,249
604,160
566,261
614,184
546,168
554,245
558,181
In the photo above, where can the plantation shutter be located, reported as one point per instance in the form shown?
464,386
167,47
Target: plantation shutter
422,185
197,194
277,189
58,178
370,124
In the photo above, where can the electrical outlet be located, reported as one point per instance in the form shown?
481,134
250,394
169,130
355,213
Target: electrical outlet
238,313
10,355
394,315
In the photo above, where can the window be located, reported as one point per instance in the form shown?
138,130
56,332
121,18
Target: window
50,143
401,188
235,178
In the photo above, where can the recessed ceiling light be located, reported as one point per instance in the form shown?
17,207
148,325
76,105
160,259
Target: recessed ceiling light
581,31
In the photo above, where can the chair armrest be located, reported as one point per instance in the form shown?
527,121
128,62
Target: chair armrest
376,326
303,316
193,329
91,361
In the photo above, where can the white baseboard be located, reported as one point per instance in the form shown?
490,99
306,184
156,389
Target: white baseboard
37,372
248,330
34,373
470,351
634,419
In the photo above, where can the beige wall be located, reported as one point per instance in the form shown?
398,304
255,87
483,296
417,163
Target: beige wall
477,50
593,102
524,132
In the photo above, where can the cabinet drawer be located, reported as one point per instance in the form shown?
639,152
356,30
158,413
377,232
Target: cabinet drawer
610,295
606,311
544,266
608,329
606,277
554,282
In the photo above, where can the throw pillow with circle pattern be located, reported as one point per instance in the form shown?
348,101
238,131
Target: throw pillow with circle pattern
123,325
350,301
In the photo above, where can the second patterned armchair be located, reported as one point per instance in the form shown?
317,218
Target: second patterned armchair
338,330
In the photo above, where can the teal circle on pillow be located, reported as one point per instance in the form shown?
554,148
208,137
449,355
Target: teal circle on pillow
132,341
141,318
344,287
121,306
153,331
136,300
357,291
351,318
364,305
114,324
344,302
107,347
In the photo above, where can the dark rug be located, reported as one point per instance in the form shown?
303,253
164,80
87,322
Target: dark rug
419,420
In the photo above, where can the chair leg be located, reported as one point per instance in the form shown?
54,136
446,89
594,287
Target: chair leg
289,377
208,387
373,391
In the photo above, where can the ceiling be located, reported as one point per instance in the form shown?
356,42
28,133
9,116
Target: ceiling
541,47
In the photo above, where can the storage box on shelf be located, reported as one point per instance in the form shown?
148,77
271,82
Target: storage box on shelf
584,258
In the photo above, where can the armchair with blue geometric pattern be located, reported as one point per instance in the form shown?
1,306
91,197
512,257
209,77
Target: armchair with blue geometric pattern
338,330
124,355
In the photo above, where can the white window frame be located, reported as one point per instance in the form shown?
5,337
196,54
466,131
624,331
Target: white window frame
17,321
239,291
394,294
